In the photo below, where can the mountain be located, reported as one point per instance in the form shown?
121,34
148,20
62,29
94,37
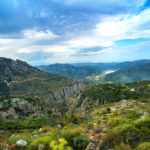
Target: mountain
86,71
130,74
17,78
71,71
115,65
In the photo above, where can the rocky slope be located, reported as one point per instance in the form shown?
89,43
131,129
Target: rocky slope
18,108
17,78
111,92
120,123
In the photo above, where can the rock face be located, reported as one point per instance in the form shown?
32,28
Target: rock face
17,108
66,92
27,107
17,78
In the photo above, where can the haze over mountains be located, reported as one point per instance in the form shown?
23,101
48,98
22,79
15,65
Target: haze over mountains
119,71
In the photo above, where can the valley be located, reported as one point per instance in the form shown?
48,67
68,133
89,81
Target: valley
118,72
45,111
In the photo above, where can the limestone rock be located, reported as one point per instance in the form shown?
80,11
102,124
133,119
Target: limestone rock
59,126
91,146
21,143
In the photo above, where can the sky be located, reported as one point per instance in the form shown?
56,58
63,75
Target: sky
69,31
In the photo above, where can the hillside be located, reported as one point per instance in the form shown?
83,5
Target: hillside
71,71
17,78
112,92
95,71
102,117
130,74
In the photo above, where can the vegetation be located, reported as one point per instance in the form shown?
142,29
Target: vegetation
110,116
110,92
17,124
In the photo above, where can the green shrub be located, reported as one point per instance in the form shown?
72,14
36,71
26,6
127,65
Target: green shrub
70,133
132,114
80,142
144,146
71,118
41,140
61,144
115,121
123,147
145,131
90,124
108,110
124,128
145,122
125,133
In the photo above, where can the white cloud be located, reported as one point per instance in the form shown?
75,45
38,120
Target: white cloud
109,30
124,26
105,33
35,34
26,44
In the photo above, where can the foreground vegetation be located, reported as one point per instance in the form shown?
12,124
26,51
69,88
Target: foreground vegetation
121,123
120,126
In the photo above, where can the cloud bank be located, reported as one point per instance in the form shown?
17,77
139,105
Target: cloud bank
51,31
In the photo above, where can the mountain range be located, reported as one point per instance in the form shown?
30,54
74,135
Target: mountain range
128,71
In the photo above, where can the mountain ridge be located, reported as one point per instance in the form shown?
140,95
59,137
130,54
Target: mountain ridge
18,78
82,71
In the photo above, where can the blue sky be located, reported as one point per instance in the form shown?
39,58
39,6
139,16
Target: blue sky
67,31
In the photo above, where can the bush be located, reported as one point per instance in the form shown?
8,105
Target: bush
125,133
70,133
145,122
71,118
61,144
40,141
115,121
123,147
121,129
144,146
80,142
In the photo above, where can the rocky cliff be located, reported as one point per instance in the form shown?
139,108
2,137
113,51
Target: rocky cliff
17,78
67,92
